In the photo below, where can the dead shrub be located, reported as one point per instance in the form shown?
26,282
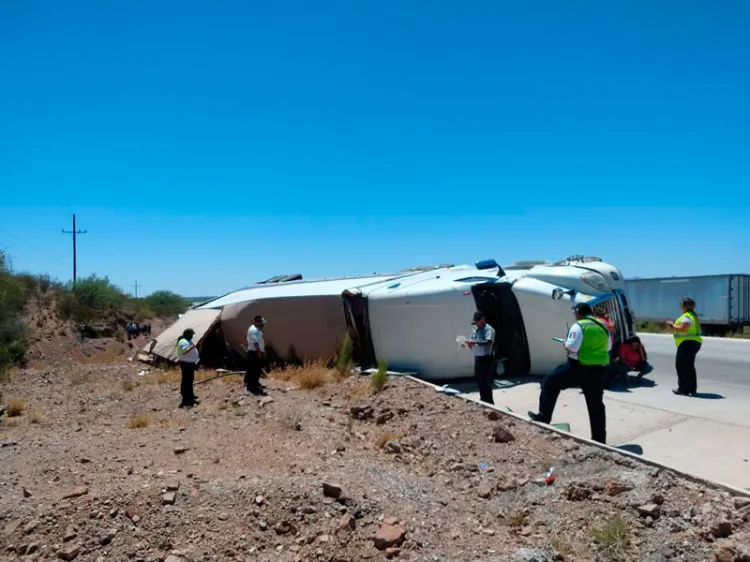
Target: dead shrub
109,355
36,416
78,378
311,375
139,421
311,378
15,407
127,386
390,435
292,419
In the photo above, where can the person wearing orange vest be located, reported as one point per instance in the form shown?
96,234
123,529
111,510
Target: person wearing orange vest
687,336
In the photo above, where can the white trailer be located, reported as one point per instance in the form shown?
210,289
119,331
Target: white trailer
413,321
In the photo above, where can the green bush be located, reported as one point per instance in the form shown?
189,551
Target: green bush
14,292
344,356
166,303
380,378
91,298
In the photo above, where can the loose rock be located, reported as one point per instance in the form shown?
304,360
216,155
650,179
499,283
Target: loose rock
70,553
389,534
332,490
502,435
76,492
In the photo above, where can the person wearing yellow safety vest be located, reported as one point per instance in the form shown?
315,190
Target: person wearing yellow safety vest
588,345
687,336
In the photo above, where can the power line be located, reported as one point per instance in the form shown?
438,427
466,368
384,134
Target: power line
74,232
42,252
136,288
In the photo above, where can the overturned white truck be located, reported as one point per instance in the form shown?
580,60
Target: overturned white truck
413,321
412,318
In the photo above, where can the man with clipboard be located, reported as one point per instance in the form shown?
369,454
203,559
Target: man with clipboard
588,345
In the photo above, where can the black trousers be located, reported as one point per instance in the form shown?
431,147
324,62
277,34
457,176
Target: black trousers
186,383
687,377
253,370
590,378
484,374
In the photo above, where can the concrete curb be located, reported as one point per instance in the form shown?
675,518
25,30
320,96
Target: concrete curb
638,458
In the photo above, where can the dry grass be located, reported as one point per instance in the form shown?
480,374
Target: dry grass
109,355
15,407
359,391
390,435
127,386
139,421
78,378
37,365
613,537
36,416
292,419
222,406
313,374
232,379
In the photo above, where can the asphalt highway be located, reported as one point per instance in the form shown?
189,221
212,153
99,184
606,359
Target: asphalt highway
723,360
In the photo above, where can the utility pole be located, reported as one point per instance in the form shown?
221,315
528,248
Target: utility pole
74,232
136,288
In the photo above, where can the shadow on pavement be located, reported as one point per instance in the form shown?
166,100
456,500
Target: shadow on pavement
632,382
708,396
631,448
468,385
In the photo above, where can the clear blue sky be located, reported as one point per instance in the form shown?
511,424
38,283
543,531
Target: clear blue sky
206,145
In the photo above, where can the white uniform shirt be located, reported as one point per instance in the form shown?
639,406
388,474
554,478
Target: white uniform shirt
575,339
485,333
189,357
254,335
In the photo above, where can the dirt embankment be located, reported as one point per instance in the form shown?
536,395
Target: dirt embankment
53,340
99,464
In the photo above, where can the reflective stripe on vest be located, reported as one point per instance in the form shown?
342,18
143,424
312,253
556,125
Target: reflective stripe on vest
693,332
595,342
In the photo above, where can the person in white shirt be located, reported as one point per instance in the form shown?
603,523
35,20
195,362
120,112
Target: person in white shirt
588,346
188,357
256,353
482,347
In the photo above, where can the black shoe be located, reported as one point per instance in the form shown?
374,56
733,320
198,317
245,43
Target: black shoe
186,406
259,391
535,417
678,392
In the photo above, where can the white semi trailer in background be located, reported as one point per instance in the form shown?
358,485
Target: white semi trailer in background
413,322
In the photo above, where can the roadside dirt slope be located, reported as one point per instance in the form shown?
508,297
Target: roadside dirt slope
101,465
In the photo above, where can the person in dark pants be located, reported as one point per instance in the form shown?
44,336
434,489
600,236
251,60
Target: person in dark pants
588,346
188,357
687,336
482,347
256,352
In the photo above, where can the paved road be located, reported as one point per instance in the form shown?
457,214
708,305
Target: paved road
708,435
723,360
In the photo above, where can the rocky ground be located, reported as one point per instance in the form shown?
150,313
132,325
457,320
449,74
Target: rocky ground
98,463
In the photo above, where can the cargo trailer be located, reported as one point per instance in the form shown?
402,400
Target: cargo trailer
722,301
